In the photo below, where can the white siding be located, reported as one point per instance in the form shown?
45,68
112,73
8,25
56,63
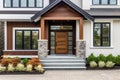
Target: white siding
16,17
77,2
115,49
86,4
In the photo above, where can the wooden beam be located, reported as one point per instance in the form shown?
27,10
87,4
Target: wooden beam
62,18
81,29
42,25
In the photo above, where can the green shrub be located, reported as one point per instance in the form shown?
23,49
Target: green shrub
91,58
93,64
117,60
110,57
101,64
101,57
110,64
24,61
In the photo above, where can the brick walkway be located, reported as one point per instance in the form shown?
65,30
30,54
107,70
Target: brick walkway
68,75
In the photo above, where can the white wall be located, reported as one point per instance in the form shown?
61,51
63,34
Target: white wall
46,2
114,49
77,2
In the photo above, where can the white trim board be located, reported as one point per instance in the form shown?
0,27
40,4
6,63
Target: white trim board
5,35
25,28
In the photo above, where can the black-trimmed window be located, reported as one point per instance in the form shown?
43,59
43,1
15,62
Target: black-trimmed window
23,3
101,35
26,39
104,2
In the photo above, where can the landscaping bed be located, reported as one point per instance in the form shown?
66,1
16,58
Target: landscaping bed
97,68
21,66
19,73
102,62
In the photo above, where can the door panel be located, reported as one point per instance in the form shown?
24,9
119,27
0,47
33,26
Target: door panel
61,40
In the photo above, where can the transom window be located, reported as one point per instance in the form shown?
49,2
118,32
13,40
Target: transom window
26,39
104,2
23,3
101,34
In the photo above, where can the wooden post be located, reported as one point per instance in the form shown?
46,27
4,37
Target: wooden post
42,22
81,29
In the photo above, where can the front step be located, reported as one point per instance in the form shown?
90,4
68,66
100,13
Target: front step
59,63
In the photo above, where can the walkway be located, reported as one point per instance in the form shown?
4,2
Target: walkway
68,75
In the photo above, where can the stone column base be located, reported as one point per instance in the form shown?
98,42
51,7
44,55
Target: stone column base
81,49
42,48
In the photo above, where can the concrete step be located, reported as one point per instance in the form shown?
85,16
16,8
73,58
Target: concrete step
65,68
64,64
62,61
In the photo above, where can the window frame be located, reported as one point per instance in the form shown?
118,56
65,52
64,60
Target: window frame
23,7
101,30
24,28
108,2
31,48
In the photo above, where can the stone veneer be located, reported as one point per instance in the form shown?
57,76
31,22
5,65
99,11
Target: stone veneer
42,48
1,37
80,49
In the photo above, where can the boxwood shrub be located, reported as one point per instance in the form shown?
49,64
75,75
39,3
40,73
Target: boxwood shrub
91,58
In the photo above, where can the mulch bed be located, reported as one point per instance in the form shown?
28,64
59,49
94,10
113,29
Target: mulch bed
19,73
114,68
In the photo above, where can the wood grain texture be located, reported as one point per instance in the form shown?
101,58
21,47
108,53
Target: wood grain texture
61,40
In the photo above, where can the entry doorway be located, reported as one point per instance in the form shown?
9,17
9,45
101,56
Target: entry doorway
62,39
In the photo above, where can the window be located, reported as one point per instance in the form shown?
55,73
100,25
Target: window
96,2
101,34
23,3
31,3
26,39
104,2
39,3
7,3
15,3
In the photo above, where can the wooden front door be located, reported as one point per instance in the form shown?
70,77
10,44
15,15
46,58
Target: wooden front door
61,41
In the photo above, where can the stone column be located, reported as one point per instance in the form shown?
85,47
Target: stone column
81,49
42,48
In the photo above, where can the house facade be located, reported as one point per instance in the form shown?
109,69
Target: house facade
60,27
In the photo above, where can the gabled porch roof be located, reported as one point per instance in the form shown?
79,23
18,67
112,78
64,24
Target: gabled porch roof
38,15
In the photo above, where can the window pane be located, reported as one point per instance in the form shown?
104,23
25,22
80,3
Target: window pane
35,39
7,3
96,31
18,40
31,3
23,3
96,1
39,3
113,1
15,3
104,1
26,39
105,35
